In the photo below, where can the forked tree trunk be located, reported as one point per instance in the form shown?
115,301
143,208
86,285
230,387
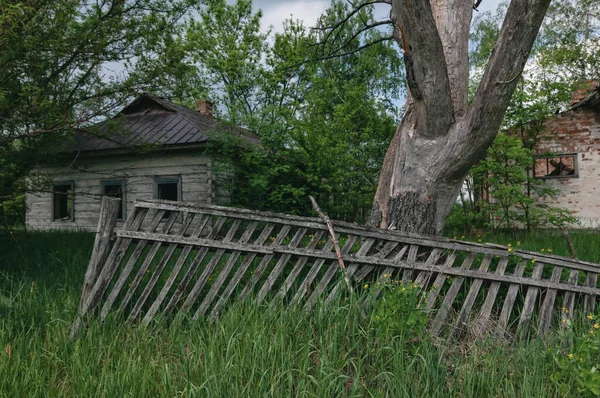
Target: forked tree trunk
441,136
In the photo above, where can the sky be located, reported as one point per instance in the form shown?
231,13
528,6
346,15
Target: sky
276,11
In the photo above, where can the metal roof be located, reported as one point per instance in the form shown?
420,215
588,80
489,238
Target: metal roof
150,120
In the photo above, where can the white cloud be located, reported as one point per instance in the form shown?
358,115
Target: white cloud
306,11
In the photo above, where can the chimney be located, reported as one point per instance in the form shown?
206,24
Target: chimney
205,107
582,89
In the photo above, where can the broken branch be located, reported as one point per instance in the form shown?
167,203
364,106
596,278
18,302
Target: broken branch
338,251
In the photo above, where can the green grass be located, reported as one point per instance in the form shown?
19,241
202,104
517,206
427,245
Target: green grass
249,352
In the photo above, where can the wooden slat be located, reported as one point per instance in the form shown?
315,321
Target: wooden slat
381,254
311,275
488,305
262,266
300,264
465,311
509,300
412,258
189,274
329,274
589,303
128,268
569,301
210,267
176,269
276,271
350,270
423,277
547,307
233,257
160,267
146,264
439,282
239,274
529,305
442,312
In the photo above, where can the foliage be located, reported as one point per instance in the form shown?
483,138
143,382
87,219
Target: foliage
398,311
578,361
504,194
325,126
56,58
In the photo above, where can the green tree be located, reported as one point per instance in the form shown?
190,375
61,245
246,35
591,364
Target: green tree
56,58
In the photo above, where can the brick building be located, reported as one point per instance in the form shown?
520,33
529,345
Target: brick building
568,155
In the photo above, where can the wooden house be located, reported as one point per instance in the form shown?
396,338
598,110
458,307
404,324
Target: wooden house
153,148
568,155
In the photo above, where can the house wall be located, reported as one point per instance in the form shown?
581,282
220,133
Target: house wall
576,131
139,171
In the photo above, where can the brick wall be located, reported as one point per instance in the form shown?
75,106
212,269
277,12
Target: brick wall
576,131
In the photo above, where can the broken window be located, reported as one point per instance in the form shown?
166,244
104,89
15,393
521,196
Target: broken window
167,188
115,189
62,201
559,166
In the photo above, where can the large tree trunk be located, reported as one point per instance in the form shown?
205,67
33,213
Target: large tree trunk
440,135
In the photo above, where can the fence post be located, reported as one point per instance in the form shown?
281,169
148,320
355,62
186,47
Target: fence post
109,211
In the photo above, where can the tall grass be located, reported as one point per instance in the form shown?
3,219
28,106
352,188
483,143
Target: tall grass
250,351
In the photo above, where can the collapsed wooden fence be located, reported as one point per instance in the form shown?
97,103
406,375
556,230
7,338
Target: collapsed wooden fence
181,258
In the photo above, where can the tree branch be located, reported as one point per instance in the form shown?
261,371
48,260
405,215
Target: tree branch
519,30
338,55
426,68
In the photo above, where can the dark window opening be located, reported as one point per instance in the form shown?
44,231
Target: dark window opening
561,166
115,189
168,188
62,201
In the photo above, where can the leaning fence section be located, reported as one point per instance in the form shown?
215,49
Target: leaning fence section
174,258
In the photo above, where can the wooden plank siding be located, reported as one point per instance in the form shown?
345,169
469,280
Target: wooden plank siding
195,170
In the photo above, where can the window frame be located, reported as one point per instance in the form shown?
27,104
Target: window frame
575,157
55,184
166,180
117,181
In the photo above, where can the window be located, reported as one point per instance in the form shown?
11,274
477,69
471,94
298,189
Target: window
115,189
167,188
559,166
62,201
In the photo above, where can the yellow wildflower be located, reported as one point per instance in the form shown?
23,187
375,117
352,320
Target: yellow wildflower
455,237
591,331
542,250
478,240
564,321
510,250
403,289
564,309
596,326
366,286
590,317
509,245
518,243
462,237
533,261
570,356
549,250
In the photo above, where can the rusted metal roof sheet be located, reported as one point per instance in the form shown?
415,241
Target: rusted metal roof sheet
150,120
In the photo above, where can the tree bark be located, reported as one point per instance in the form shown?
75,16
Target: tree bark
440,137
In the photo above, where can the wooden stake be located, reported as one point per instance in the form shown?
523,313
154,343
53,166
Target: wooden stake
109,211
338,251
